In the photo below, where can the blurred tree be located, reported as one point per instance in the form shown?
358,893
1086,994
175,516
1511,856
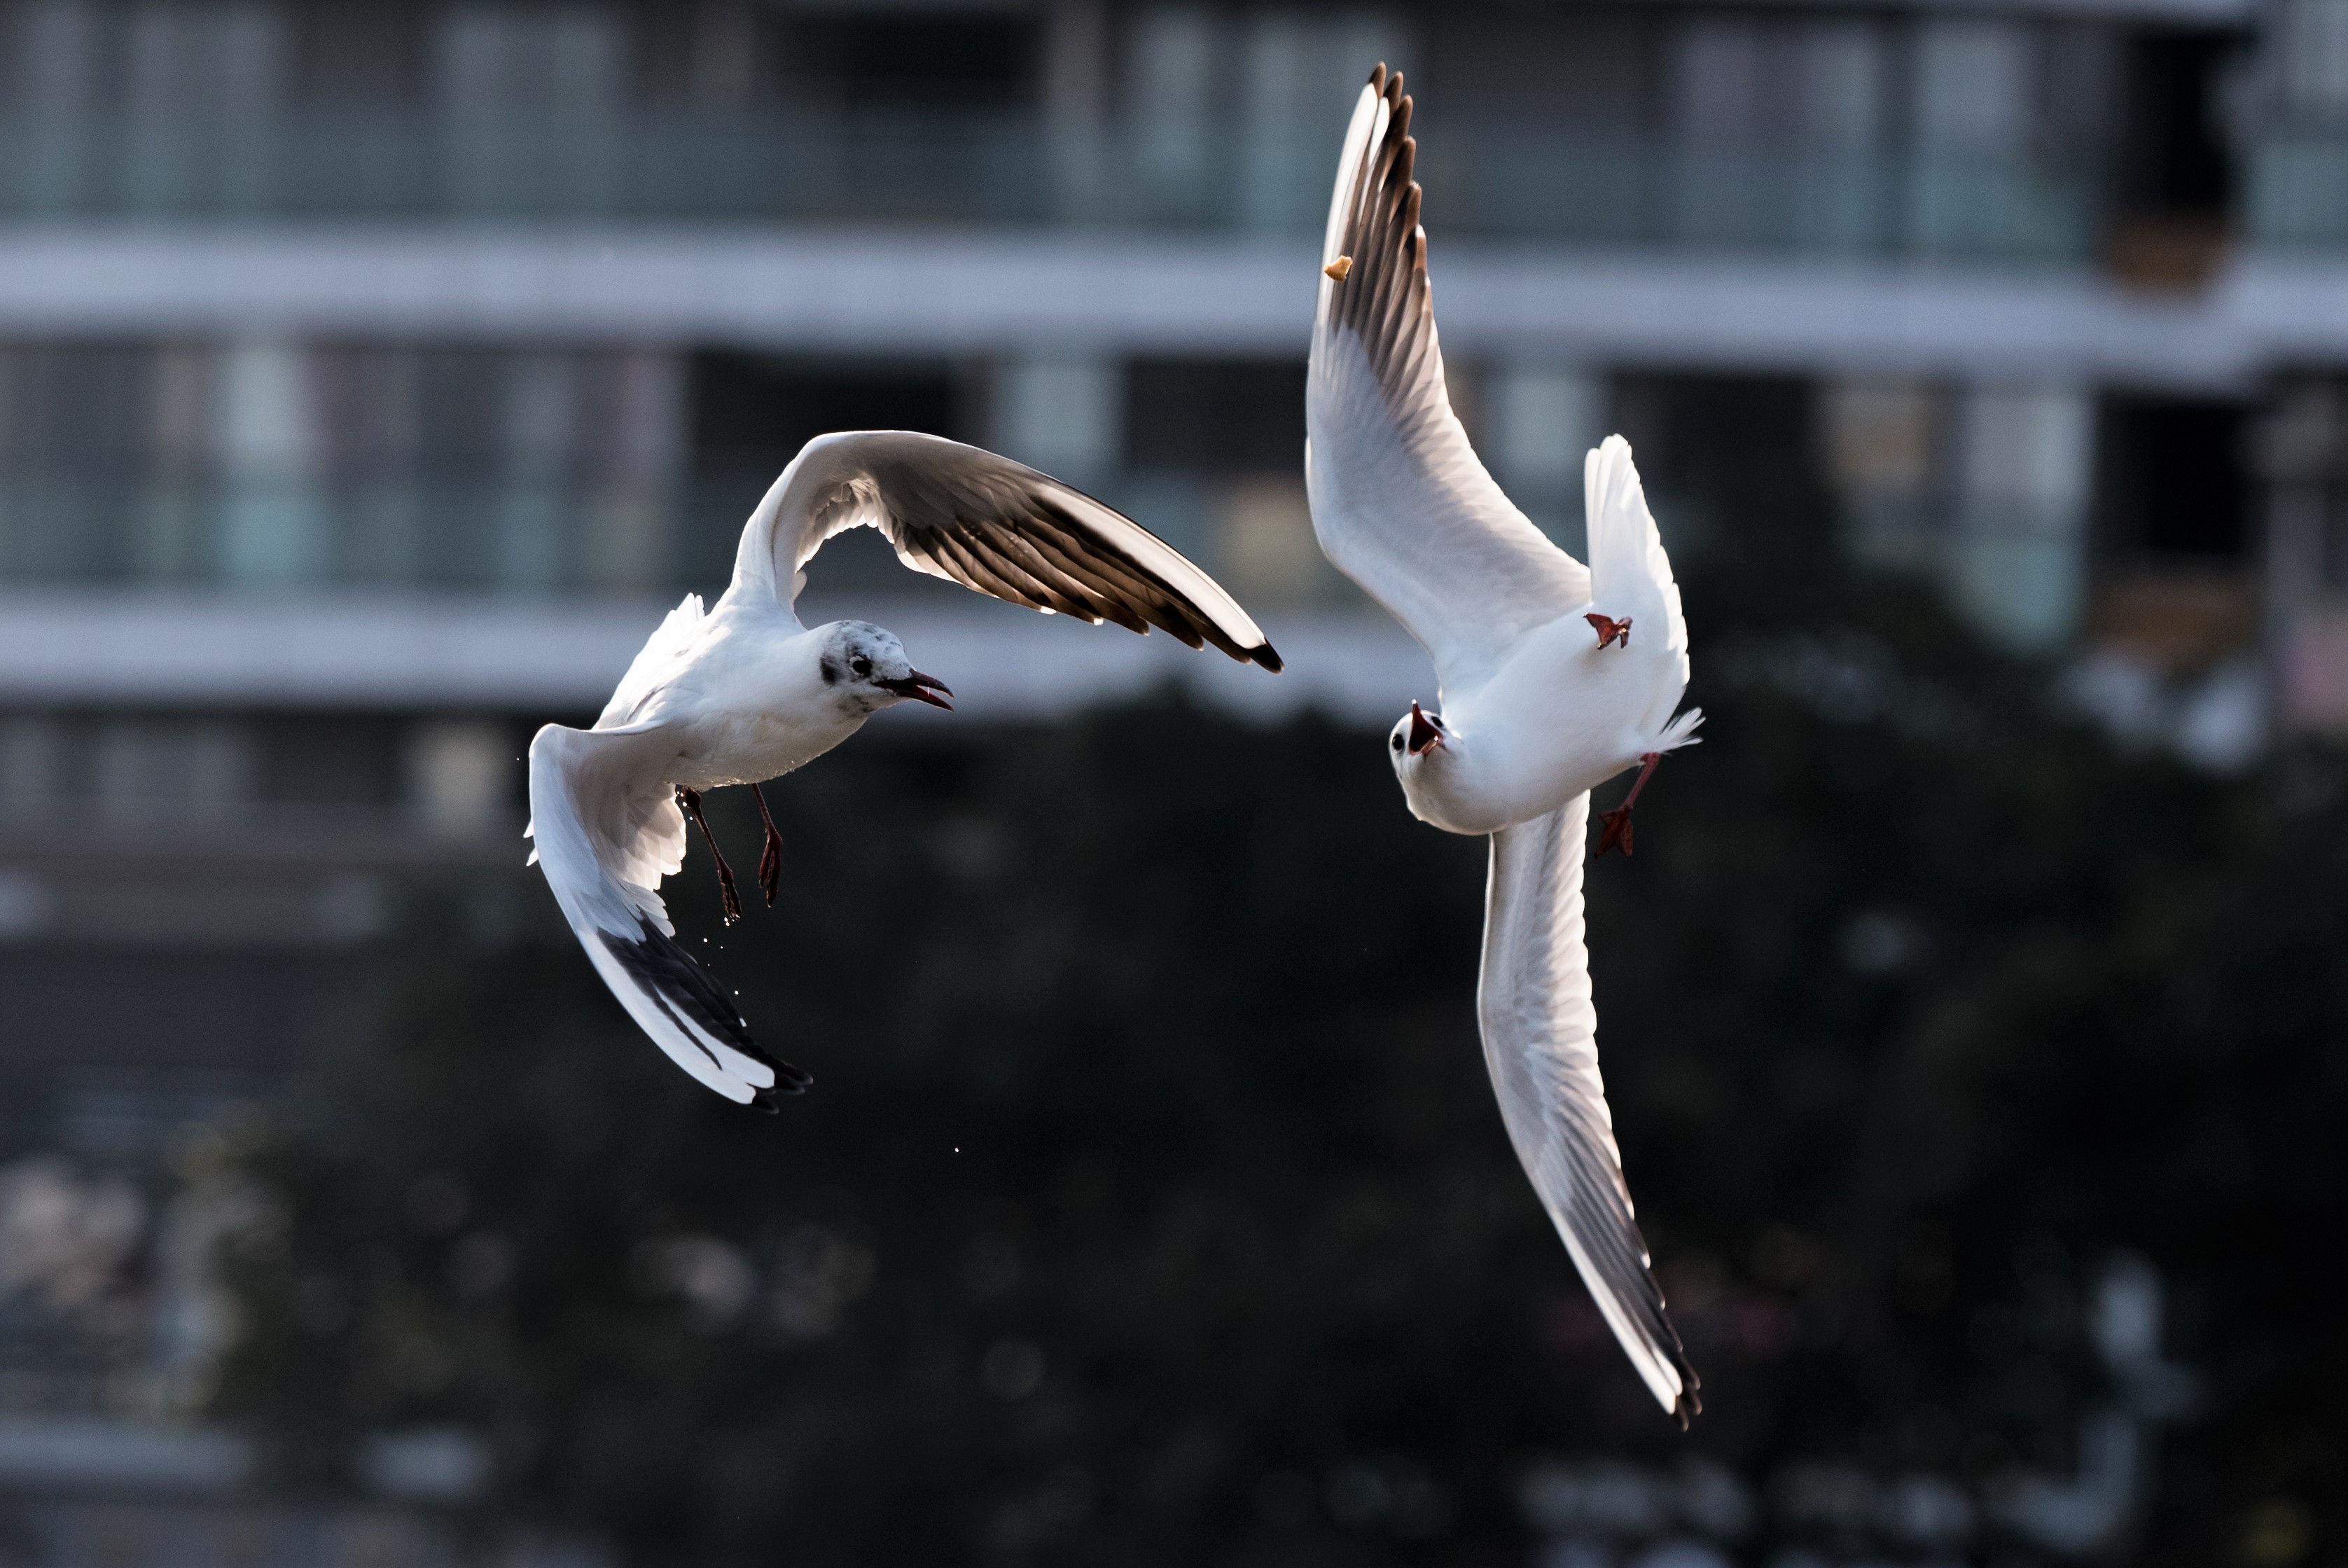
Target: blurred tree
1151,1207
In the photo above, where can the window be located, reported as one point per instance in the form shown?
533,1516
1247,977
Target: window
918,62
2173,481
1216,415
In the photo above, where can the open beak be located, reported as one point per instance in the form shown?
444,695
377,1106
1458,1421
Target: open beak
922,688
1424,736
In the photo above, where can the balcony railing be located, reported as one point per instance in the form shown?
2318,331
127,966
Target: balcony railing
1492,179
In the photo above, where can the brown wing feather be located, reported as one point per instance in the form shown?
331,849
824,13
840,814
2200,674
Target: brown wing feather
1386,298
1005,529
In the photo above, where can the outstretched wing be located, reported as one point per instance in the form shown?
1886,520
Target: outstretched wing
987,523
607,831
1541,1042
1400,501
654,663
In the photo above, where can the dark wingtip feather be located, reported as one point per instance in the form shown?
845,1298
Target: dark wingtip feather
677,984
1266,655
789,1080
1690,1403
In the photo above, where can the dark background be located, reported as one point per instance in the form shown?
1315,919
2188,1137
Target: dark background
1150,1205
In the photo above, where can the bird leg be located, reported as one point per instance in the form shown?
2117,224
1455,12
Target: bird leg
1609,629
692,798
770,858
1618,820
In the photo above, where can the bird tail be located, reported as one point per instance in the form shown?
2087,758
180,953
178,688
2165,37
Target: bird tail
1628,572
1681,731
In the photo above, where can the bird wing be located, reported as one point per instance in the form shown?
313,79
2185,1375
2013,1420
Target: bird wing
651,667
1400,501
1541,1042
608,830
987,523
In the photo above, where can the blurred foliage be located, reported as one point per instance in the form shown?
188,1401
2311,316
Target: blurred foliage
1151,1207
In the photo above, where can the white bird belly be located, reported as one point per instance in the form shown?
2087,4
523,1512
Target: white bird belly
727,749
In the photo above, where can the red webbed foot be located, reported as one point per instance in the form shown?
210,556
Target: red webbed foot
1618,820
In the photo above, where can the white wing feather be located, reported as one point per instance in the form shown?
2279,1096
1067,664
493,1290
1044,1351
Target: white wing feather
652,665
1400,501
608,830
1540,1043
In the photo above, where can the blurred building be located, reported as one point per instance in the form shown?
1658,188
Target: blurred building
373,377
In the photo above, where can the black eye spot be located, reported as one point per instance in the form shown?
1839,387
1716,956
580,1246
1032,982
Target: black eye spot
830,668
1397,743
861,666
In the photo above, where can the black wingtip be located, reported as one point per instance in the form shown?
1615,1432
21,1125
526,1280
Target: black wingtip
1690,1403
789,1080
680,987
1268,656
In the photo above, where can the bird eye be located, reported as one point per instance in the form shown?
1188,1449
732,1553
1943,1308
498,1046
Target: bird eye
861,666
1397,743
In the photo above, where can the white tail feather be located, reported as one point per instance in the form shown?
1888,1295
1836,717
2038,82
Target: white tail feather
1681,731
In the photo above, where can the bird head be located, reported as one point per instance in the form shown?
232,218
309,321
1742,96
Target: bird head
1417,735
867,667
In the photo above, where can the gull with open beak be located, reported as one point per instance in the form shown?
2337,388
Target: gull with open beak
745,693
1536,712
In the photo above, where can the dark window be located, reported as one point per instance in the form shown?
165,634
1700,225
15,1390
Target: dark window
2173,480
1216,415
350,54
917,62
330,761
2173,156
755,411
752,413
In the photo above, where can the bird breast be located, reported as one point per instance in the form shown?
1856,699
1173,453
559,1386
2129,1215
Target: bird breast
749,748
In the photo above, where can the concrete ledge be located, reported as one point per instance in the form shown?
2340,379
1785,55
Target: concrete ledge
947,290
561,659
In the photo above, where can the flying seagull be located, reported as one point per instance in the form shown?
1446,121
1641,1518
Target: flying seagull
745,693
1554,677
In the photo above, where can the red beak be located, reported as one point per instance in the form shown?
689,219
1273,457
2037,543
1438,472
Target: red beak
1424,736
919,687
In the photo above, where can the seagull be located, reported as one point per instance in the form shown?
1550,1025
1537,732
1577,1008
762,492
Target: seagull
1535,711
745,692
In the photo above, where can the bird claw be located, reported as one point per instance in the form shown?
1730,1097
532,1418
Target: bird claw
1618,830
1611,630
770,867
1618,820
770,856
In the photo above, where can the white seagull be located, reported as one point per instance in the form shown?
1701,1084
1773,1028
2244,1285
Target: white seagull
746,693
1535,710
